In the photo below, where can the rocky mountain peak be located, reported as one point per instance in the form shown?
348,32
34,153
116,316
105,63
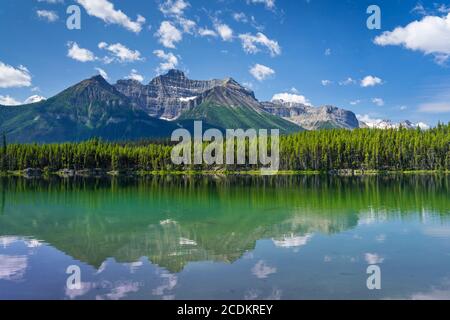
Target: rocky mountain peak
310,117
174,73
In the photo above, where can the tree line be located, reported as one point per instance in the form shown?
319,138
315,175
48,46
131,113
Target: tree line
323,150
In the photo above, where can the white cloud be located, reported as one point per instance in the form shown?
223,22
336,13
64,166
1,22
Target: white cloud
292,98
326,82
370,81
120,52
34,99
52,1
79,54
378,101
261,72
50,16
431,35
170,7
8,101
347,82
102,73
14,77
371,122
134,75
373,258
187,25
250,42
169,61
270,4
328,52
435,107
168,34
420,9
355,102
103,9
224,31
205,32
240,17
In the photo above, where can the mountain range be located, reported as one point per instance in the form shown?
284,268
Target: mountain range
130,110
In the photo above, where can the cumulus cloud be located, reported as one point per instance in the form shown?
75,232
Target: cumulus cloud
378,101
224,31
120,52
292,98
168,34
102,73
8,101
11,77
270,4
50,16
170,7
169,61
104,10
326,82
261,72
251,42
240,17
347,82
431,35
370,81
205,32
188,26
134,75
79,54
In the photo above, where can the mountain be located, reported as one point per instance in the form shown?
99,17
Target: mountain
312,118
166,96
91,108
230,105
388,124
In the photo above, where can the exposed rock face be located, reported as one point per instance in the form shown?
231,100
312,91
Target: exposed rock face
91,108
166,96
231,106
230,93
312,118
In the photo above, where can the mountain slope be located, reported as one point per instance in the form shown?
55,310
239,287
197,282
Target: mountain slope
91,108
166,96
231,106
312,118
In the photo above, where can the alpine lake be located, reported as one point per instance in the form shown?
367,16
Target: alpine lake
225,237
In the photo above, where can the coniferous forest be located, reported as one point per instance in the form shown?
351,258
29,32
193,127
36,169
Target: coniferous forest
324,150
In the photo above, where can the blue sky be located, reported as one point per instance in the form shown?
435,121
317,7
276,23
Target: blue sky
318,51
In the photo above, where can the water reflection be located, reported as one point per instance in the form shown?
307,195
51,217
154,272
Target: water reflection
136,238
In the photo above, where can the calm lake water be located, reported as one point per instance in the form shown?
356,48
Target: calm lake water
299,237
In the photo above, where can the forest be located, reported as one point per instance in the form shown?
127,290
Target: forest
323,150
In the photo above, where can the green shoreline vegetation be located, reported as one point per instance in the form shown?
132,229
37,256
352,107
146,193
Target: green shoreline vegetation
338,151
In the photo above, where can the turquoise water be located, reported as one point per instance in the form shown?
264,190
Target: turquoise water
293,237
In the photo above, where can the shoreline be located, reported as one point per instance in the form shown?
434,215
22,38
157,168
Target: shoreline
99,173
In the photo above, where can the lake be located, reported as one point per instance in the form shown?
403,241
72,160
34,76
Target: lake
176,237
